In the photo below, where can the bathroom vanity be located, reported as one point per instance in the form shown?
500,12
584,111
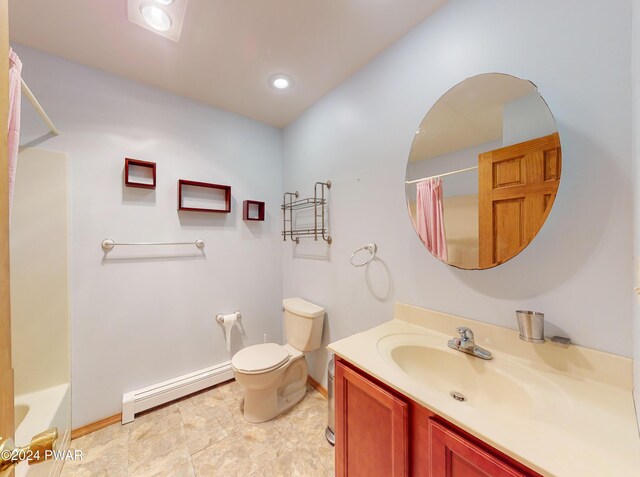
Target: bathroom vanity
383,432
406,404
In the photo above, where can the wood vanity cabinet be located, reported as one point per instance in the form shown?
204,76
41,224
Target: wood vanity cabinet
380,432
373,424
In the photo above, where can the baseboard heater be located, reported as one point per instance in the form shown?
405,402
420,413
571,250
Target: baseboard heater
166,391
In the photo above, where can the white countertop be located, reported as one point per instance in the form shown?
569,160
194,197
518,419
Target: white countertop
581,420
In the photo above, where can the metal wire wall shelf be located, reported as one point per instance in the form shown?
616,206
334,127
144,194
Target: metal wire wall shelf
318,202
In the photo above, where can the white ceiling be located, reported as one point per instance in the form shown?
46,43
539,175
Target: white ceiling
228,48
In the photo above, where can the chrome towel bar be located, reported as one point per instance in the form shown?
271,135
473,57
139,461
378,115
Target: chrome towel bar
108,244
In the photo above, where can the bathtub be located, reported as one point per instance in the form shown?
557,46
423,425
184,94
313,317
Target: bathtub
36,412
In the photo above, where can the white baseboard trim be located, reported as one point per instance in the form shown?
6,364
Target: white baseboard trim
161,393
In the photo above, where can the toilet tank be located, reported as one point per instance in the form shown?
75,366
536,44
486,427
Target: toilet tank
303,323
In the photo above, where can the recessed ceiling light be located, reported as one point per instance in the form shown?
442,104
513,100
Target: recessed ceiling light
164,2
155,17
280,81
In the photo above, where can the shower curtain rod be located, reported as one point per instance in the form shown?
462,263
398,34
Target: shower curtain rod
442,175
27,92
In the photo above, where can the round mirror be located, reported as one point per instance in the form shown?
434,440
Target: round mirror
483,171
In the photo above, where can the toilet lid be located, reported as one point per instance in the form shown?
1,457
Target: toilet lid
261,357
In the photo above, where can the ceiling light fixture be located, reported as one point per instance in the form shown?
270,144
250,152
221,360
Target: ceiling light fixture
280,81
155,17
163,17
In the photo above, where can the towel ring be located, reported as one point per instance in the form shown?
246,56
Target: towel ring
372,248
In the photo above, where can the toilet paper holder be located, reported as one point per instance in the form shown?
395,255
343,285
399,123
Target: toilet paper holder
228,322
220,317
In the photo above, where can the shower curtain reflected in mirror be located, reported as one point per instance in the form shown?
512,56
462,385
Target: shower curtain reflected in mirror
430,216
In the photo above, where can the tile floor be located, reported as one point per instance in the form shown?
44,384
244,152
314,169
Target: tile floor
205,435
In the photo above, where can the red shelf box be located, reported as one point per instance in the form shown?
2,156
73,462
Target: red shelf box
253,210
204,197
140,174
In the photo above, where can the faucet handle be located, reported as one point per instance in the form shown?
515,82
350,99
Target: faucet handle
465,333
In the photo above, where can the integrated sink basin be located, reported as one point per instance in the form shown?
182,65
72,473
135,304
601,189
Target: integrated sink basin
500,384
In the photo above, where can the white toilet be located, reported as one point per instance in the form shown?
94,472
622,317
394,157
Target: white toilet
274,376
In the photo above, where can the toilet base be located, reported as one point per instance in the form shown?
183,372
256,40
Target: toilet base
261,405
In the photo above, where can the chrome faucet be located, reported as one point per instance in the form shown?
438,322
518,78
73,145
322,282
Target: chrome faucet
466,344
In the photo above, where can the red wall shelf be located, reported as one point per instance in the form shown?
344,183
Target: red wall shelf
212,190
253,210
130,181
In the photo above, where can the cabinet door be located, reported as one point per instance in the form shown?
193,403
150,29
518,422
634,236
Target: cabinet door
454,456
371,428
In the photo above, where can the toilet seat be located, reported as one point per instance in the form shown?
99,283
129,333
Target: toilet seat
260,358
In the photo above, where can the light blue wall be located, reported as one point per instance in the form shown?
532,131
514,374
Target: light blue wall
144,315
577,271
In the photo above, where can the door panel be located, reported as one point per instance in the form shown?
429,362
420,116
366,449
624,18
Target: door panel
507,173
516,188
508,223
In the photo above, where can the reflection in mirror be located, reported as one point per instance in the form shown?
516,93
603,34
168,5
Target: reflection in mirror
483,171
